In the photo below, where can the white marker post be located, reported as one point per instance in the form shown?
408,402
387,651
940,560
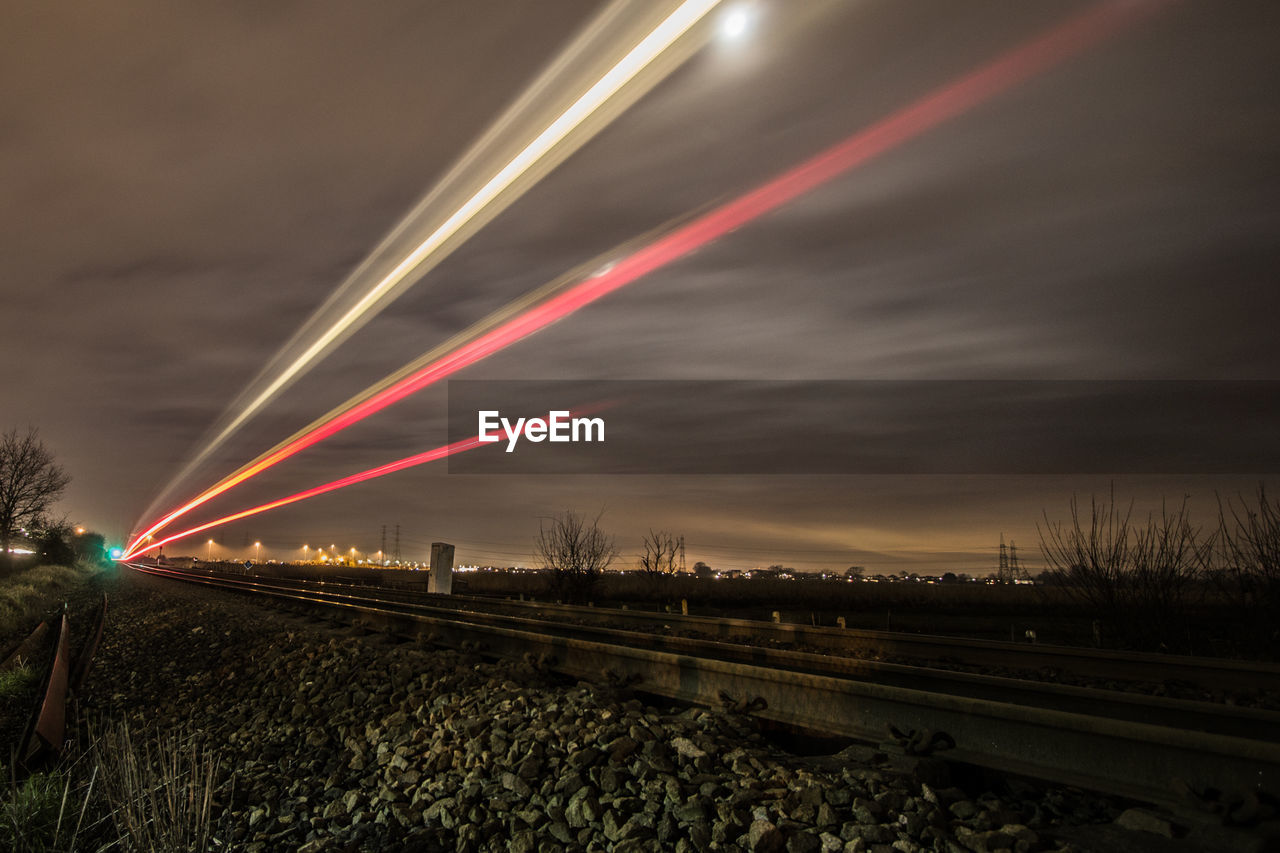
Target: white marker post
441,578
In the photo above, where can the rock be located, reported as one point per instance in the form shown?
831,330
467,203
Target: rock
583,810
687,748
866,811
610,781
984,842
764,837
838,796
620,748
633,845
690,812
612,825
803,842
829,843
1142,820
523,841
1021,833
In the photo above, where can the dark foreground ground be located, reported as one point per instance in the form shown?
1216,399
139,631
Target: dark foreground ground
325,738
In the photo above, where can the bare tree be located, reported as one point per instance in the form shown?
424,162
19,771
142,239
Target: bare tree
575,551
659,555
30,482
1138,580
1246,567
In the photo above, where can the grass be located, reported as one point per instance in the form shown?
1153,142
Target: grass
150,793
25,592
158,790
42,813
17,681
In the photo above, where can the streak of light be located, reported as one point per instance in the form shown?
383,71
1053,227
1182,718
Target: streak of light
341,483
946,102
566,132
350,480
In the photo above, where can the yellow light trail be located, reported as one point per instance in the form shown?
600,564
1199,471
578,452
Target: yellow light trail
688,14
567,132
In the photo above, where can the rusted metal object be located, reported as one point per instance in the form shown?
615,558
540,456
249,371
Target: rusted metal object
24,651
49,726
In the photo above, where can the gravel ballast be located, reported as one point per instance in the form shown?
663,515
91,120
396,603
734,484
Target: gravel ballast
332,740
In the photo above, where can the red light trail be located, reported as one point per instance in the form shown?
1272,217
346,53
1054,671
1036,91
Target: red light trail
341,483
350,480
1059,43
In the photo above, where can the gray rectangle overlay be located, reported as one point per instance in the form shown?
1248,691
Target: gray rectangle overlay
881,427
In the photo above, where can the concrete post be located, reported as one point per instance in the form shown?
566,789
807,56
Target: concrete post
441,579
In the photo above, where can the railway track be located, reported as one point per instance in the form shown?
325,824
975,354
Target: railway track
62,676
1211,674
1148,748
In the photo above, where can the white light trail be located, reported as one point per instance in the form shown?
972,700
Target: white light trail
543,152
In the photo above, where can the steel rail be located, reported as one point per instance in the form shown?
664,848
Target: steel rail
45,732
1183,714
1125,757
1138,667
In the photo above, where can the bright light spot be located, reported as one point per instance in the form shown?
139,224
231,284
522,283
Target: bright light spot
116,553
735,23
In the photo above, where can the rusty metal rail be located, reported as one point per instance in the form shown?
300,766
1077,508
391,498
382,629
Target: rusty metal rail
1136,757
48,726
45,733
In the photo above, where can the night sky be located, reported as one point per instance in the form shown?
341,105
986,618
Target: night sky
184,184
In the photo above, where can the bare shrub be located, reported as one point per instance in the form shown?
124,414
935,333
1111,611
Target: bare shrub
1139,579
659,550
659,560
575,551
1246,569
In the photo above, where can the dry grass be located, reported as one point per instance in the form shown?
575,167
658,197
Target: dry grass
27,591
157,791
